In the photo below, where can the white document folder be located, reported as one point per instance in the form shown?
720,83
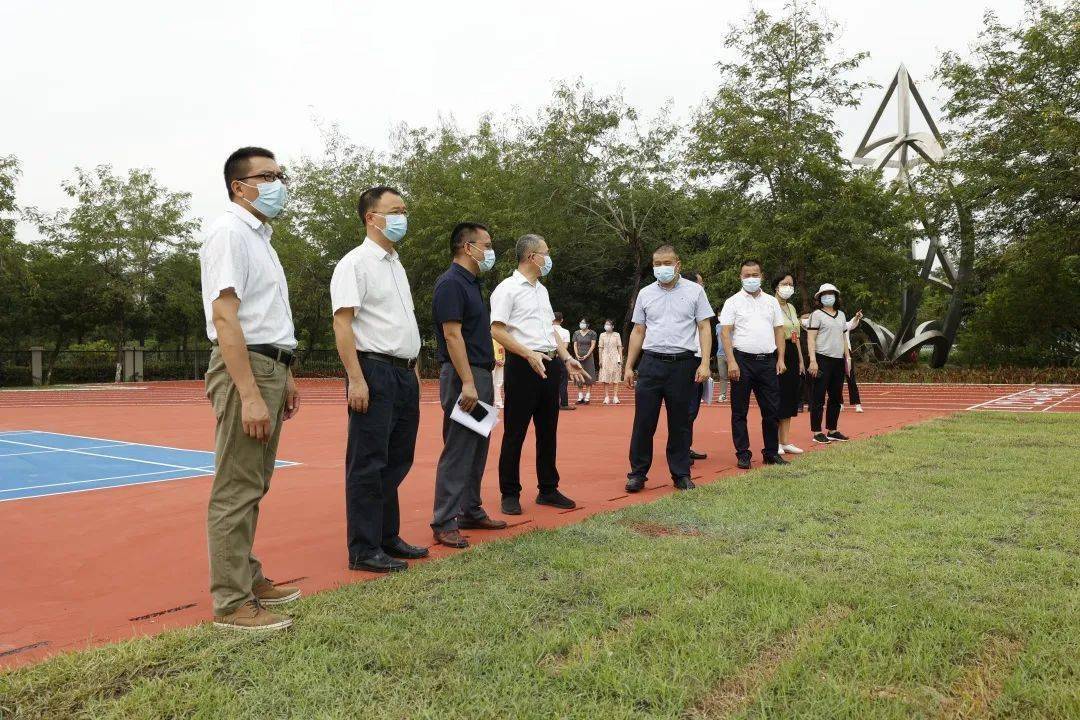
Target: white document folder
481,427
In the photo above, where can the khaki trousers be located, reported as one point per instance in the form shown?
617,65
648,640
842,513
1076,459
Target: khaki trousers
243,469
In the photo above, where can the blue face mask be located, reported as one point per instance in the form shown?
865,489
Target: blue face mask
272,198
828,300
489,260
546,267
664,273
396,226
751,284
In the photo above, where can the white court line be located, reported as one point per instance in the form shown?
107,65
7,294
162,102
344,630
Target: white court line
94,480
1002,397
42,452
123,442
102,455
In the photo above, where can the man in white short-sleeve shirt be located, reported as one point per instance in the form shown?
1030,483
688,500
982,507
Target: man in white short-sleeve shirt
378,341
673,336
521,321
751,329
249,384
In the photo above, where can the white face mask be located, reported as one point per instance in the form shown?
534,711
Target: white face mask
607,328
786,291
583,325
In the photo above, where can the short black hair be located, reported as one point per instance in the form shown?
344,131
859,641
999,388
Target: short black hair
750,261
779,278
690,274
237,164
370,197
461,233
667,248
558,317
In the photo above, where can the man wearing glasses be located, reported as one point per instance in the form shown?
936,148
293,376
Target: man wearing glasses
248,382
378,341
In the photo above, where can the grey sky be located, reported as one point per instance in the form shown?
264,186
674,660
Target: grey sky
177,86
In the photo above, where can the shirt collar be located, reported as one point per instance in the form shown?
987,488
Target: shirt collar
244,214
373,247
456,267
520,277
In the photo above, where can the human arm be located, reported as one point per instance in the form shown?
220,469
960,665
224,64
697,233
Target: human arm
637,338
358,394
502,335
704,332
729,352
459,356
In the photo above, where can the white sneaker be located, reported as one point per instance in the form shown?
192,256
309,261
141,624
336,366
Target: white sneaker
793,450
616,401
779,449
580,397
588,397
858,408
723,397
607,400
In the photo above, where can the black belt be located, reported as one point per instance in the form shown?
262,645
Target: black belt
285,357
388,359
757,356
670,357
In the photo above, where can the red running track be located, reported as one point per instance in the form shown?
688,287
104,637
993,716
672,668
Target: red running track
88,568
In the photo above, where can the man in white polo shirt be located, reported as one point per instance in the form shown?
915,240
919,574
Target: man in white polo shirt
521,321
377,341
751,328
249,384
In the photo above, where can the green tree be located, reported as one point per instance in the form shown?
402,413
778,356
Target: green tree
115,235
1014,162
14,277
765,147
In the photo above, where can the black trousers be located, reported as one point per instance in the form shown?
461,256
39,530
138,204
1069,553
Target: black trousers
830,380
695,407
378,456
853,387
757,374
564,382
530,398
673,384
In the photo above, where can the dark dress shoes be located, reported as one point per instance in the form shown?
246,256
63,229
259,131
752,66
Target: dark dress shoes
484,523
635,484
684,483
556,499
380,562
744,463
695,455
398,548
511,505
451,538
776,460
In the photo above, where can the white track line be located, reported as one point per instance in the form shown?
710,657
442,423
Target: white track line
998,399
1064,399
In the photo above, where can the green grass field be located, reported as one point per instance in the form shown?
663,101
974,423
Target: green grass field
934,572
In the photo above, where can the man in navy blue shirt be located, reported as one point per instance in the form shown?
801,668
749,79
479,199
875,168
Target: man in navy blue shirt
466,357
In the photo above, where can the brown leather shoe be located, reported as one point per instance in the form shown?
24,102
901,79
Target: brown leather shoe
484,523
451,538
269,594
252,617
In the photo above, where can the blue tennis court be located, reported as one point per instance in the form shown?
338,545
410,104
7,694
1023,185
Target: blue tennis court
34,463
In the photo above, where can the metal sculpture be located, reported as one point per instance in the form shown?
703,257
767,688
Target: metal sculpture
904,151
